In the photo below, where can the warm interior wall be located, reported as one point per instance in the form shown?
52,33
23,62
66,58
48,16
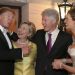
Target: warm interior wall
35,10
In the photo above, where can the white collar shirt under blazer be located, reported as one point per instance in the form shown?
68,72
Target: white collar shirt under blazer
53,36
4,31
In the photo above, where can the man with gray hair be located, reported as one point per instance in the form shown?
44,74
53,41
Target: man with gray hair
50,44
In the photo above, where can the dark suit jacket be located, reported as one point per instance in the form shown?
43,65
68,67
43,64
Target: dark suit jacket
14,36
59,50
7,57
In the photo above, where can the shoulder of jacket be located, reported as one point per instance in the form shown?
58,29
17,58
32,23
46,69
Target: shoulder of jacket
65,33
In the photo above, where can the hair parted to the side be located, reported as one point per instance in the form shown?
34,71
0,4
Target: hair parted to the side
72,13
5,9
32,28
52,13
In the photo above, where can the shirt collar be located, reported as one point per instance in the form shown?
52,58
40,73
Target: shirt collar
55,31
3,29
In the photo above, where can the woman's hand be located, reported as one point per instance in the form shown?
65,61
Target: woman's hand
57,64
25,48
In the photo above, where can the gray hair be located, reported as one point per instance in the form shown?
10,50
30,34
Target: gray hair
52,13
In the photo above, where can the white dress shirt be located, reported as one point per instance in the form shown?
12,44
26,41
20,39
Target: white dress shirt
4,31
53,36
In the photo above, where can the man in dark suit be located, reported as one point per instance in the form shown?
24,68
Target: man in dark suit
60,41
7,53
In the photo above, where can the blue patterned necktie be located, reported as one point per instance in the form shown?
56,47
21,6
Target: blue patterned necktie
49,43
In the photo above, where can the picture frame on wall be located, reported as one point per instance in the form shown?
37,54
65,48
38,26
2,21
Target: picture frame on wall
16,22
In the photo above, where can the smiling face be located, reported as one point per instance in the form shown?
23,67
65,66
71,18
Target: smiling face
48,24
69,22
6,18
23,31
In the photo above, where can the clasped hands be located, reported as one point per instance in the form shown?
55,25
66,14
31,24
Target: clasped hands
57,64
25,48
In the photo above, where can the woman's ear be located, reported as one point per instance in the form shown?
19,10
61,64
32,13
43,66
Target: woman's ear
29,34
0,17
0,20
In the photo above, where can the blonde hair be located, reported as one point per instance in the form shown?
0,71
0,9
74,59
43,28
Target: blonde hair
32,28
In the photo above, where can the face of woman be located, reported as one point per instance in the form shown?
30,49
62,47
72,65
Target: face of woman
70,24
23,31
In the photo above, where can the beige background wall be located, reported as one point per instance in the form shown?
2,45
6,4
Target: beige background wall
31,9
35,10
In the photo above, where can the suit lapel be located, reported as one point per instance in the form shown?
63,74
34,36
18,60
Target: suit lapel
2,37
45,46
44,42
56,44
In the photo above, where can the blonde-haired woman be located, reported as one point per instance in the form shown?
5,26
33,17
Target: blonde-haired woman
27,65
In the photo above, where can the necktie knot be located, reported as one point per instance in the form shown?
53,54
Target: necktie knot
49,35
8,33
